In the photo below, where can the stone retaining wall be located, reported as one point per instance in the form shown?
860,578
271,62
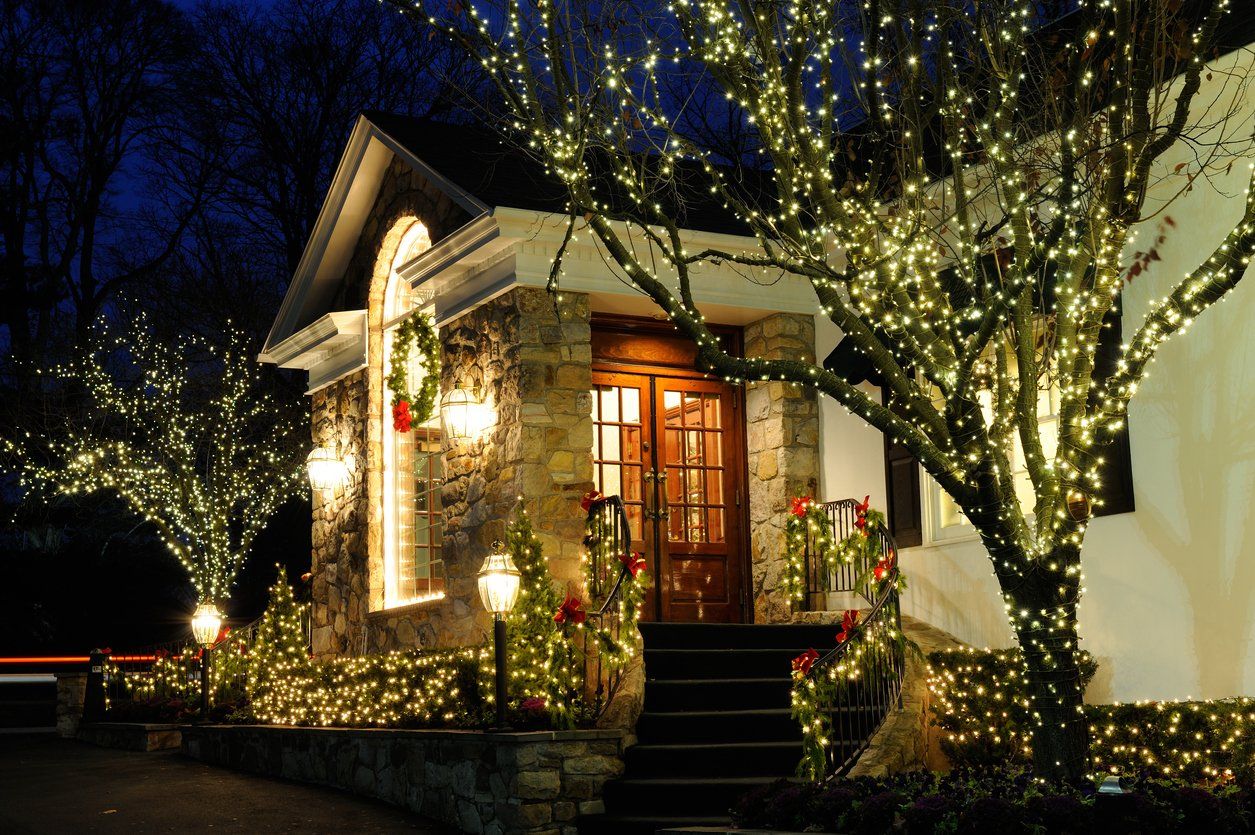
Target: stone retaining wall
131,736
71,688
497,783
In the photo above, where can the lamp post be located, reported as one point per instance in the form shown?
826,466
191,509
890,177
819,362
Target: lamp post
206,622
498,581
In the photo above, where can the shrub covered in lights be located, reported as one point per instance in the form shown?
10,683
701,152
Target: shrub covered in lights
992,801
981,702
397,689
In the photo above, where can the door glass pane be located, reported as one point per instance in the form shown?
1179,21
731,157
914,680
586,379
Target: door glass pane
714,524
694,460
618,449
710,416
631,405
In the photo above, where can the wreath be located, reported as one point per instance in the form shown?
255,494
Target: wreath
417,333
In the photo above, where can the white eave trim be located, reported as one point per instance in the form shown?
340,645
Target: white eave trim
328,349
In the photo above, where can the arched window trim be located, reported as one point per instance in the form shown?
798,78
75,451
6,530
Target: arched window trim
412,572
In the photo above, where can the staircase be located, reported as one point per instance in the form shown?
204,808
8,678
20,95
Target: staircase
716,724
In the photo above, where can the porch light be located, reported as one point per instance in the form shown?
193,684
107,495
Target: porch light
463,414
326,469
498,581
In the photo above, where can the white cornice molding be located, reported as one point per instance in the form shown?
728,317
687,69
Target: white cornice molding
328,348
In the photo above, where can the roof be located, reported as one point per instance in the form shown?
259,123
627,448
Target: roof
481,162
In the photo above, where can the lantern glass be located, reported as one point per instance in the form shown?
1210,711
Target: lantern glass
461,412
498,581
326,469
206,623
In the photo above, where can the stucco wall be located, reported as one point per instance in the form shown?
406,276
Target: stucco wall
1169,607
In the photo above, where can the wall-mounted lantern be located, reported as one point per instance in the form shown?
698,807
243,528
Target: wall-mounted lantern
326,469
463,413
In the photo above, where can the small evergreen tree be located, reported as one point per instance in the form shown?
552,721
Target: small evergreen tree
279,663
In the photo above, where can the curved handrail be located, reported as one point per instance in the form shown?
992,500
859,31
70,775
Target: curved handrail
604,680
863,710
624,529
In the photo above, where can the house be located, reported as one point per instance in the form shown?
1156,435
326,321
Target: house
589,388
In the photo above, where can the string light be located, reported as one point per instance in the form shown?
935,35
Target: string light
966,236
185,434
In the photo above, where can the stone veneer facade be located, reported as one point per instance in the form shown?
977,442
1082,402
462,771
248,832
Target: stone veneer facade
782,425
531,360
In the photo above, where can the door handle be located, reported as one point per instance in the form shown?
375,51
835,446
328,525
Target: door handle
662,512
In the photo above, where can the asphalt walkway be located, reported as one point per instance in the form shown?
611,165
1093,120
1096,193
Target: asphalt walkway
52,785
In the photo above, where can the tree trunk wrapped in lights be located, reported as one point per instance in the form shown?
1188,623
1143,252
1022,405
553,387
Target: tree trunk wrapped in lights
186,434
958,183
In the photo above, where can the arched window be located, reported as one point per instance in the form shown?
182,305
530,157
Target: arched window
413,516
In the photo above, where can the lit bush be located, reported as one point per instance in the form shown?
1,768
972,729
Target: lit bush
981,701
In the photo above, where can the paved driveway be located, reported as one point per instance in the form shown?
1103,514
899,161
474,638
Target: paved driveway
51,785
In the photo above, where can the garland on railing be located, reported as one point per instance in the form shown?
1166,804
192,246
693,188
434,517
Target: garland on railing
819,680
809,522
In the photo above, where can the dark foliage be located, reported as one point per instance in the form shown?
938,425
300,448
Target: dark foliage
993,802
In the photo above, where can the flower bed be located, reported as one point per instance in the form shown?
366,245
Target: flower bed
981,704
994,802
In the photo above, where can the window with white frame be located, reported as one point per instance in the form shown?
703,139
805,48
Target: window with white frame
943,520
413,515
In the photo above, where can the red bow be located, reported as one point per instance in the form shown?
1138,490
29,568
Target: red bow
591,496
849,622
801,504
860,511
635,562
401,417
884,566
570,610
803,663
535,703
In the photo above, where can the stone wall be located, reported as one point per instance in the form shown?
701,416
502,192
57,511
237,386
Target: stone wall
71,688
131,736
782,426
531,363
338,563
478,782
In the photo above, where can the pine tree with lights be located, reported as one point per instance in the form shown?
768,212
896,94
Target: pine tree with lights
540,655
279,666
186,434
961,185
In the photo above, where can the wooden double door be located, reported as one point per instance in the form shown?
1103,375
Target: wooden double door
672,444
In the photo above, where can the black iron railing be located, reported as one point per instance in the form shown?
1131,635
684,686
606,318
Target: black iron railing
609,538
856,684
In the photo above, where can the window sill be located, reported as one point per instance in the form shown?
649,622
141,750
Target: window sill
407,607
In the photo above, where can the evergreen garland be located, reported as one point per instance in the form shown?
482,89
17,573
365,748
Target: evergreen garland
418,332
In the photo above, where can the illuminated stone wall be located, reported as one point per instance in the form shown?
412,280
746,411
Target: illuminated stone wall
782,427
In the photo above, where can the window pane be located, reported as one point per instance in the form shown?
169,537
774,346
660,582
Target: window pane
631,405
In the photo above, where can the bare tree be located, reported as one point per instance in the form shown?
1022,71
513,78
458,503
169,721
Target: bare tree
280,89
958,182
86,87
